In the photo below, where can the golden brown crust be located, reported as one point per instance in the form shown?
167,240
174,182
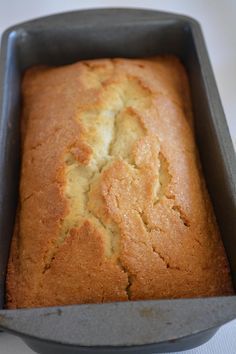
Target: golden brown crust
113,205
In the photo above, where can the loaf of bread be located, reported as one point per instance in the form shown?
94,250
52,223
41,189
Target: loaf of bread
113,205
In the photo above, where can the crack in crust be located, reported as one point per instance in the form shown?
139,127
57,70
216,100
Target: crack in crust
165,261
182,217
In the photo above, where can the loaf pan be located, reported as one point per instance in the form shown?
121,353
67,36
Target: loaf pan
128,327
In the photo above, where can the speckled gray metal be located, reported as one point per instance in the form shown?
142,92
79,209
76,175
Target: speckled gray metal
130,327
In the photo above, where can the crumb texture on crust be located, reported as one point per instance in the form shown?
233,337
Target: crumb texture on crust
113,205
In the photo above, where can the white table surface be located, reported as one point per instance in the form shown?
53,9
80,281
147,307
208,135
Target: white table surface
218,20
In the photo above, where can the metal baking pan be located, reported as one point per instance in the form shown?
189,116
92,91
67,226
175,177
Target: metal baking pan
129,327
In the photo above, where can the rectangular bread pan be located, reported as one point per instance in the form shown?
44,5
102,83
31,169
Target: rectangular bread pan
128,327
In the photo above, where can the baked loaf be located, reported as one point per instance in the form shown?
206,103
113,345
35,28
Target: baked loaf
113,205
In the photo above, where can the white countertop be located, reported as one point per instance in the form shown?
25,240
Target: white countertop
218,20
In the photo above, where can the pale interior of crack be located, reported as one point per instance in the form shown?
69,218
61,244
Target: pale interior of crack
164,178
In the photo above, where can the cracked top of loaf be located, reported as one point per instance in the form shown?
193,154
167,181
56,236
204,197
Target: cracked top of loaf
113,205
